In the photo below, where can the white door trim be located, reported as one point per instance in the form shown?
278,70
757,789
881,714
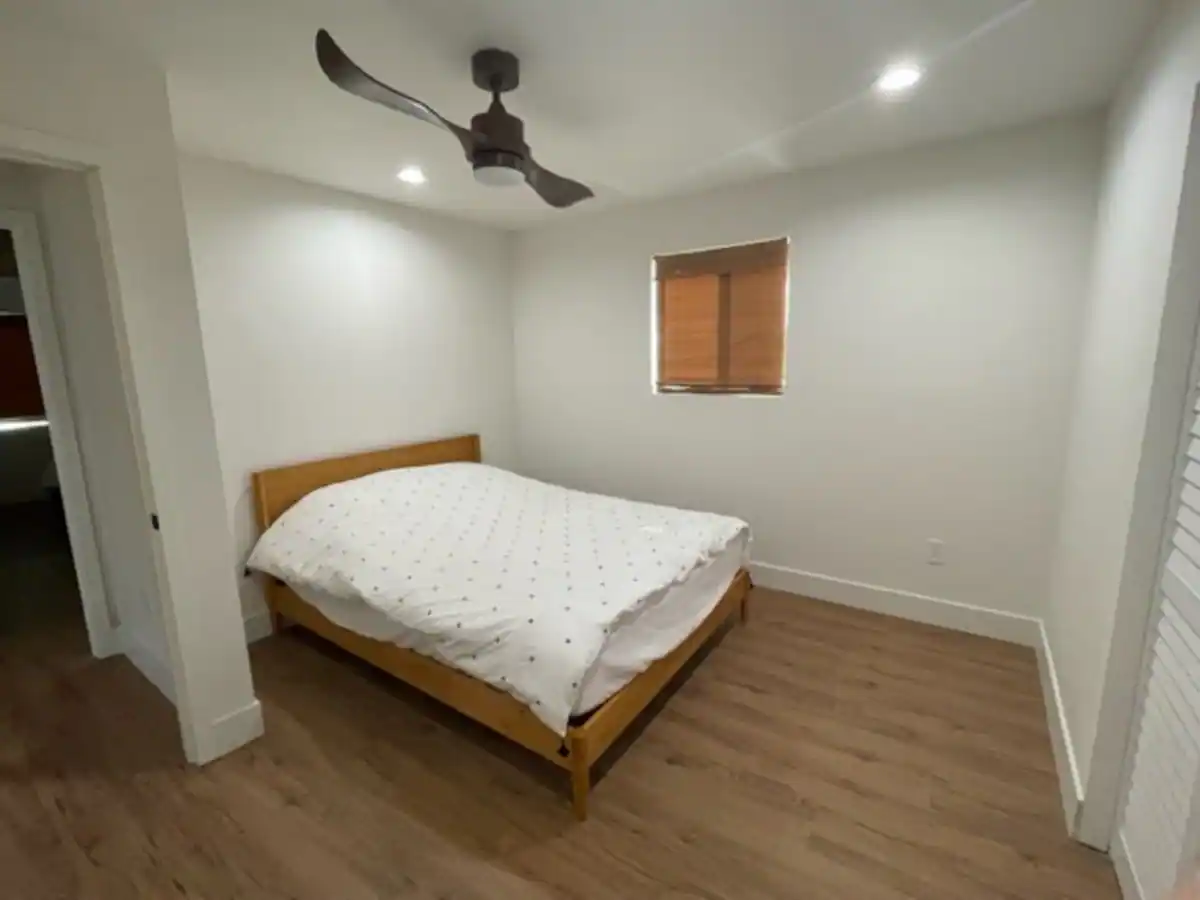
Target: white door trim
1177,369
68,460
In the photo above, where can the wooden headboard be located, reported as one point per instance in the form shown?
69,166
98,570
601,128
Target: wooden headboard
275,490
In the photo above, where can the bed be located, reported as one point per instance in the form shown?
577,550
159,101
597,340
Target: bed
551,616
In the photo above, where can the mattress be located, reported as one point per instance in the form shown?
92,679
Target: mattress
557,597
659,626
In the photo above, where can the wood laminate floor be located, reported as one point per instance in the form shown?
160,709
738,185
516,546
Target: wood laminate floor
817,752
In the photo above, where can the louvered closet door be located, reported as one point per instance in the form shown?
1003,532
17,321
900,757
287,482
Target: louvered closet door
1158,825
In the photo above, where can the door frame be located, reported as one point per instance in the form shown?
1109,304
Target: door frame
207,727
68,459
1168,422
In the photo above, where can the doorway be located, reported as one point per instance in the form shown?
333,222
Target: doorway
105,194
53,589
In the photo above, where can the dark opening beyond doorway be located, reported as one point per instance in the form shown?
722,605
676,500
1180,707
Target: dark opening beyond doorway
38,587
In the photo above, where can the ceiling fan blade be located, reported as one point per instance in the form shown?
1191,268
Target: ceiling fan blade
556,190
346,74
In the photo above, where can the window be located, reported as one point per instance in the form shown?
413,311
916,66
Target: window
722,318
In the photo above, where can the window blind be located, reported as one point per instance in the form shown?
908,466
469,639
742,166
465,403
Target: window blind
722,319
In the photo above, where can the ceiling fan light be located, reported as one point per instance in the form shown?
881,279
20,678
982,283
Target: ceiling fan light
498,176
495,168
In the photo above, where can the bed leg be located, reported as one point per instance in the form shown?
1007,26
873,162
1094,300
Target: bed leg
581,777
278,622
746,608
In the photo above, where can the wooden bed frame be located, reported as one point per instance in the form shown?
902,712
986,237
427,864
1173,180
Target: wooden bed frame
275,490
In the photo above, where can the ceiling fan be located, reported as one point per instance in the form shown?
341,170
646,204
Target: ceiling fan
494,144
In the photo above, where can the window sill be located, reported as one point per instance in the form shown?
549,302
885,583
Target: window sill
713,391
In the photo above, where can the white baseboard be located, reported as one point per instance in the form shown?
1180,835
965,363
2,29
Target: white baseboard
225,734
1069,782
105,641
229,732
157,671
1014,629
1131,887
258,626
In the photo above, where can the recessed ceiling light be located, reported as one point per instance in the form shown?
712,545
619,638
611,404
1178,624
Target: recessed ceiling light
899,79
412,175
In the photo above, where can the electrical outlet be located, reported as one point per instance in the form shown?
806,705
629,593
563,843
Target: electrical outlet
937,552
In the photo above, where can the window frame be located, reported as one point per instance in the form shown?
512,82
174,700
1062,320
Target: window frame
725,318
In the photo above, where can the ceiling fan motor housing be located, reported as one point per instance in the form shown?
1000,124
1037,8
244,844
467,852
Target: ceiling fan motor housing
499,160
501,129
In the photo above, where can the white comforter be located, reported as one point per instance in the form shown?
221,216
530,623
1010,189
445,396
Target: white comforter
510,580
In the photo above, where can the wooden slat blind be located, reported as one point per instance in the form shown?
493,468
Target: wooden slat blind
692,306
722,319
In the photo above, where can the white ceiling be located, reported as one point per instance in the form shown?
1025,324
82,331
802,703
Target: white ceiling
638,98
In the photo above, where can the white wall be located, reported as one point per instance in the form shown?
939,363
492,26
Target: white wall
1132,380
78,101
334,323
935,310
17,189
